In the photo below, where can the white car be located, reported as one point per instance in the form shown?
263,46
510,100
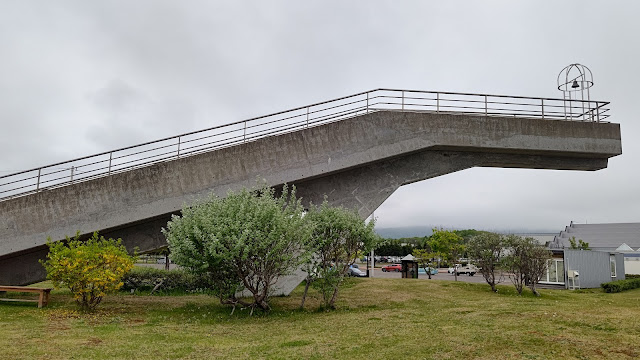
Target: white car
469,270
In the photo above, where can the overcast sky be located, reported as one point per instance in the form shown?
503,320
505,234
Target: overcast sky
81,77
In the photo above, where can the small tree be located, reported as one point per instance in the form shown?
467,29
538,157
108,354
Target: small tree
425,259
527,262
514,262
447,244
487,249
249,240
580,245
338,236
536,263
89,269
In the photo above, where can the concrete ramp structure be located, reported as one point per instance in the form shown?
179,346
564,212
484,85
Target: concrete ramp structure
357,150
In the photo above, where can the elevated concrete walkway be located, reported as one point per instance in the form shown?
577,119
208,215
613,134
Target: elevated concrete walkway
357,162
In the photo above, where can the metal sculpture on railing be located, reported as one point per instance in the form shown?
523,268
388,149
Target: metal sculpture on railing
576,79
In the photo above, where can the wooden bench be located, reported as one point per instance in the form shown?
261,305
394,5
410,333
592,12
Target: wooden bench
42,300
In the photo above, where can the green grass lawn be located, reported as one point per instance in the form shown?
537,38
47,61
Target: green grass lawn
376,319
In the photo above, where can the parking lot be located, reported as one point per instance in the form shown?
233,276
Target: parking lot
441,275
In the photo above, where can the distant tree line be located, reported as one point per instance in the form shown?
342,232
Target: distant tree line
406,246
397,247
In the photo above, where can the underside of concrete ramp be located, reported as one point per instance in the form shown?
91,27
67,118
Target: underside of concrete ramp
357,162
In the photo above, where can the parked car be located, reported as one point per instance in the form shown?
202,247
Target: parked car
469,270
433,271
355,271
393,267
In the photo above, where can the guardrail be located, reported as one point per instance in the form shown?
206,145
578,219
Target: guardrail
188,144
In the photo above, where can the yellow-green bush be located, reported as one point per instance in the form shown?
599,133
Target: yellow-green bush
90,269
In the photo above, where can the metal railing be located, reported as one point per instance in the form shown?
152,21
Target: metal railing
188,144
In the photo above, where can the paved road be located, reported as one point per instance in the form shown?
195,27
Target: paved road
441,275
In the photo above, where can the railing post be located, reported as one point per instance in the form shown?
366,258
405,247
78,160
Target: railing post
542,100
38,182
307,117
570,108
110,158
244,135
437,102
367,102
597,111
72,167
178,154
402,100
485,106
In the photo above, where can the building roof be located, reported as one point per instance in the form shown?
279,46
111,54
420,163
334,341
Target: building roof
608,237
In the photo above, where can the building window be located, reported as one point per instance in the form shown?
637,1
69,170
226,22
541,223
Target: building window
555,271
560,266
612,262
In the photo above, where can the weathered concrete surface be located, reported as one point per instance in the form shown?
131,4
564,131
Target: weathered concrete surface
357,162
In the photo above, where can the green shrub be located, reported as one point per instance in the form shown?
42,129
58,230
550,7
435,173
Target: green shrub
90,269
171,281
621,285
338,236
632,276
246,240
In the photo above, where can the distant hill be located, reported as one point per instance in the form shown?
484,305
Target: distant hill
421,231
404,232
